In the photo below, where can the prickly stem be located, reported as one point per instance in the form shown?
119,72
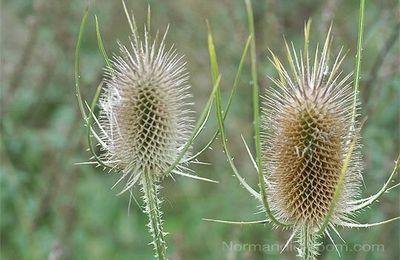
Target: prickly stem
150,191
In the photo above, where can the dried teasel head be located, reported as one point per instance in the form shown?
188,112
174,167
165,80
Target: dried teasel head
144,109
308,129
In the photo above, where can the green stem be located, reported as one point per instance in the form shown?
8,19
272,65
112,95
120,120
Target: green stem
256,114
308,244
77,64
357,65
150,195
343,171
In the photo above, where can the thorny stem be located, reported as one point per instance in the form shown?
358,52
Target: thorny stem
308,244
150,195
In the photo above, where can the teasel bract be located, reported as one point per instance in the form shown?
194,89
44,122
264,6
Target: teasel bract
308,145
145,119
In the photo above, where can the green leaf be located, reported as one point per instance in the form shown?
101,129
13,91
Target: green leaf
198,128
220,117
100,44
232,94
77,64
357,66
256,113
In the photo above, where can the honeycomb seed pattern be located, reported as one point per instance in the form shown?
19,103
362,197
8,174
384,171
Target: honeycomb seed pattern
145,112
306,131
148,129
308,162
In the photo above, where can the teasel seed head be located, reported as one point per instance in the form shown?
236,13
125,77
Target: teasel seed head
145,113
307,131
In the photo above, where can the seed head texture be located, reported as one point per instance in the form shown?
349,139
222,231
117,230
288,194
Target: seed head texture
307,129
144,110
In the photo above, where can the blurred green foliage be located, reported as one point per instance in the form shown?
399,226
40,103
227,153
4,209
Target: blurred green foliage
51,208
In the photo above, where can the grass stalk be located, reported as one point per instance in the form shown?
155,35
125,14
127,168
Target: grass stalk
357,66
256,113
77,65
352,144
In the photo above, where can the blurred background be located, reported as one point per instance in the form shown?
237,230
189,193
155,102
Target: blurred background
53,209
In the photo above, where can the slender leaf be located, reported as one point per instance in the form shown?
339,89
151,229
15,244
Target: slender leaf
199,127
357,65
232,94
101,45
256,113
77,64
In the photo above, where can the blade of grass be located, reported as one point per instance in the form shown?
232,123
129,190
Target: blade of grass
199,127
357,66
227,151
232,94
77,64
212,54
97,94
256,113
213,62
87,118
219,112
100,44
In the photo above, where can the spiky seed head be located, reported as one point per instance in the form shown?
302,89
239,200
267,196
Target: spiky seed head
307,128
144,110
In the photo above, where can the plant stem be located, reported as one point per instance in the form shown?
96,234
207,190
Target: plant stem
357,65
256,113
150,195
308,244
